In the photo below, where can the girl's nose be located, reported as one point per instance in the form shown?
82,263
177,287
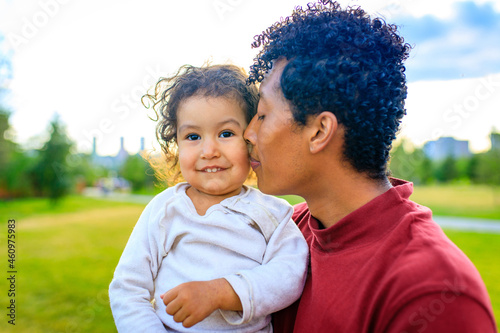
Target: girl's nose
210,149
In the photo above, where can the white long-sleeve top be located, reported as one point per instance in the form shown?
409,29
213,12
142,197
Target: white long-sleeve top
248,239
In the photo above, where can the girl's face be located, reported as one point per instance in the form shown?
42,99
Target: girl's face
213,155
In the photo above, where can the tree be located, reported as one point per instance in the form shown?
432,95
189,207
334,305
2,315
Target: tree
399,166
138,172
414,166
425,167
14,164
50,173
6,150
86,170
6,146
447,171
488,166
472,168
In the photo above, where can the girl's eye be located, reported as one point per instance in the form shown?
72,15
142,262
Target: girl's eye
261,117
226,134
193,137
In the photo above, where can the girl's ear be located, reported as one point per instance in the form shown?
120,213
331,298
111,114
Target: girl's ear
323,126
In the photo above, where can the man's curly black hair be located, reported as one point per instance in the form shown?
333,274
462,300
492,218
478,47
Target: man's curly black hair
341,60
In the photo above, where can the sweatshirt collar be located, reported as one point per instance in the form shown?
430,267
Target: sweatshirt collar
366,224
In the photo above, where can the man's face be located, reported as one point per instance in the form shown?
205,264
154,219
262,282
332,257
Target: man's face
277,143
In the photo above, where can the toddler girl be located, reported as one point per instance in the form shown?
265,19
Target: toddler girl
214,254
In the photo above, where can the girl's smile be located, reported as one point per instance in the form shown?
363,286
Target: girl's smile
213,155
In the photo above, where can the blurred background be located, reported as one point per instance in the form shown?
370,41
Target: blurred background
73,131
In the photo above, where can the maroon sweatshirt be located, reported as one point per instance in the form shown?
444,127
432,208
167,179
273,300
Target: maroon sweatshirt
386,267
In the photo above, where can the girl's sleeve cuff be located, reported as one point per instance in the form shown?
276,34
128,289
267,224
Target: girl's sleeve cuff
243,289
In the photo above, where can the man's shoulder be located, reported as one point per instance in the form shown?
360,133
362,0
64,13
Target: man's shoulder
426,266
431,263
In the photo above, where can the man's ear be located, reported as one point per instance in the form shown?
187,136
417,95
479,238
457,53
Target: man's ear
323,127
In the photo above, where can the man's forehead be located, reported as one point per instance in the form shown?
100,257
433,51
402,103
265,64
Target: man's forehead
270,86
272,78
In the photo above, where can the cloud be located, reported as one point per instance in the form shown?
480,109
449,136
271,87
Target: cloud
91,60
465,45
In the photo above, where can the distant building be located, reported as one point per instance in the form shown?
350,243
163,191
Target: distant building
112,162
446,146
122,153
495,141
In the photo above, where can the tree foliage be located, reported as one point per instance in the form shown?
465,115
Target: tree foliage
412,164
14,163
50,174
138,172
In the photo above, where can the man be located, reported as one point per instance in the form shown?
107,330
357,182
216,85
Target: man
331,101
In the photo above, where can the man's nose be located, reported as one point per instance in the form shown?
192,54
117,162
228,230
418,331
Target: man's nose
249,135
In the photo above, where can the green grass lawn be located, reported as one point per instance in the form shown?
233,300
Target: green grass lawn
460,200
38,206
484,251
65,258
452,200
64,262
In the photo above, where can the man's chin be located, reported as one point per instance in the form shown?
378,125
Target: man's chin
265,187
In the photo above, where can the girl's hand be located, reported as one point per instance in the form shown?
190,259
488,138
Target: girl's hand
191,302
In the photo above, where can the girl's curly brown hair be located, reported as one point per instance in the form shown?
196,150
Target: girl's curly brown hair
228,81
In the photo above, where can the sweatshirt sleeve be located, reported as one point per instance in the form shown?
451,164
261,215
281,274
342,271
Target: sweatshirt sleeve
132,287
279,281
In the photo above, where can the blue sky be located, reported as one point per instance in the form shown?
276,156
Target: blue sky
90,61
466,44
